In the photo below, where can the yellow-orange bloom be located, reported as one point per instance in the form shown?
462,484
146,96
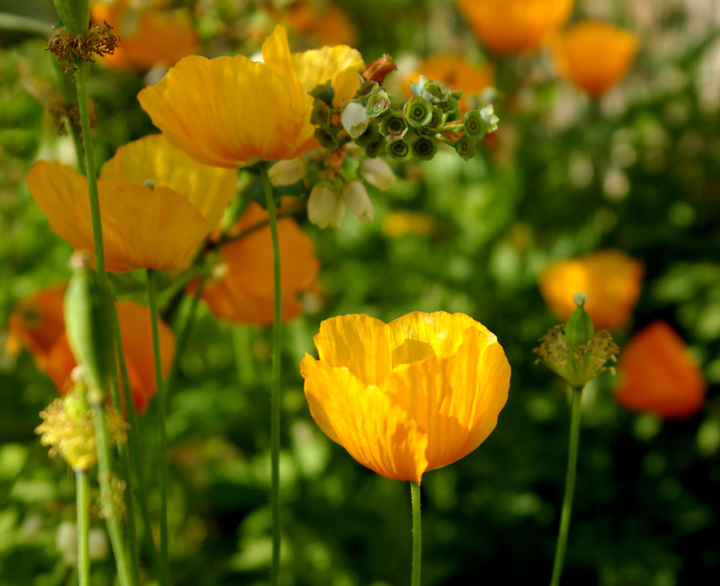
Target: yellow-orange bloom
658,374
515,26
37,323
149,36
142,227
324,26
232,112
595,55
410,396
242,290
135,328
456,73
611,279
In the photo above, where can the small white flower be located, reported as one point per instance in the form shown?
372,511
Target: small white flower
325,207
357,200
378,173
288,172
354,119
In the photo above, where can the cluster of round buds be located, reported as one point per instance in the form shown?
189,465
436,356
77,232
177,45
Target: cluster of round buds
430,116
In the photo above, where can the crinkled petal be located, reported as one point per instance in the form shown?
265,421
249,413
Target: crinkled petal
208,188
359,343
373,430
143,228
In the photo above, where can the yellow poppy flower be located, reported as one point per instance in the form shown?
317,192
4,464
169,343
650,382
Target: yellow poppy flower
149,35
658,374
232,112
142,227
242,290
611,279
37,322
515,26
595,55
456,73
410,396
136,333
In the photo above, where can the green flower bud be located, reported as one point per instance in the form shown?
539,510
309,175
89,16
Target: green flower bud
378,104
393,125
398,150
448,106
434,92
417,87
474,125
424,148
19,143
75,15
371,134
374,149
457,94
465,147
89,322
328,139
436,120
579,329
320,115
367,90
324,92
418,111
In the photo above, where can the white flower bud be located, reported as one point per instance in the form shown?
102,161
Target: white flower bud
354,119
97,544
325,207
357,200
378,173
287,172
66,540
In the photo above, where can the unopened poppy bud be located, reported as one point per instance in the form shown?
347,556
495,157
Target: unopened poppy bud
354,119
325,207
75,15
579,329
378,173
357,200
89,323
289,171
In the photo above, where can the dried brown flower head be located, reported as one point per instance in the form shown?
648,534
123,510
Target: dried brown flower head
99,41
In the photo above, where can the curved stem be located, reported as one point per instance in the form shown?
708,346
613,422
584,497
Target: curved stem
417,532
82,491
569,488
275,383
162,459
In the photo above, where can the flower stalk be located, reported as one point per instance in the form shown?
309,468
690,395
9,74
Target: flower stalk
82,494
417,532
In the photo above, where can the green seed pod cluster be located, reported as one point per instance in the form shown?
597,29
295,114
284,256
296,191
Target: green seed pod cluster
75,15
89,322
320,115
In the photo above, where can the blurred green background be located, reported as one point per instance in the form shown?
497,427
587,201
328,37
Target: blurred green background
638,170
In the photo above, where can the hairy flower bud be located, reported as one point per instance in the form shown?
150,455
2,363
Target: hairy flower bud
357,200
325,207
354,119
378,173
289,171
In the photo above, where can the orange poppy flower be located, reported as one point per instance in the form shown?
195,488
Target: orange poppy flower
456,73
410,396
595,55
149,35
232,112
142,227
324,26
136,331
515,26
611,279
659,374
37,323
243,289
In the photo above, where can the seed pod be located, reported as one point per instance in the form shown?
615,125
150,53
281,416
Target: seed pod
374,149
465,147
579,329
475,126
371,134
378,104
324,92
320,115
89,323
418,111
398,150
424,148
327,139
75,15
394,125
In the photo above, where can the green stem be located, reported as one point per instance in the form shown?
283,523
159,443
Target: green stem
162,436
243,358
81,85
275,383
134,453
107,494
417,532
569,488
82,491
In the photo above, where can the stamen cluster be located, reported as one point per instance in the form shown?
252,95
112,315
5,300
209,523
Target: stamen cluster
99,41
